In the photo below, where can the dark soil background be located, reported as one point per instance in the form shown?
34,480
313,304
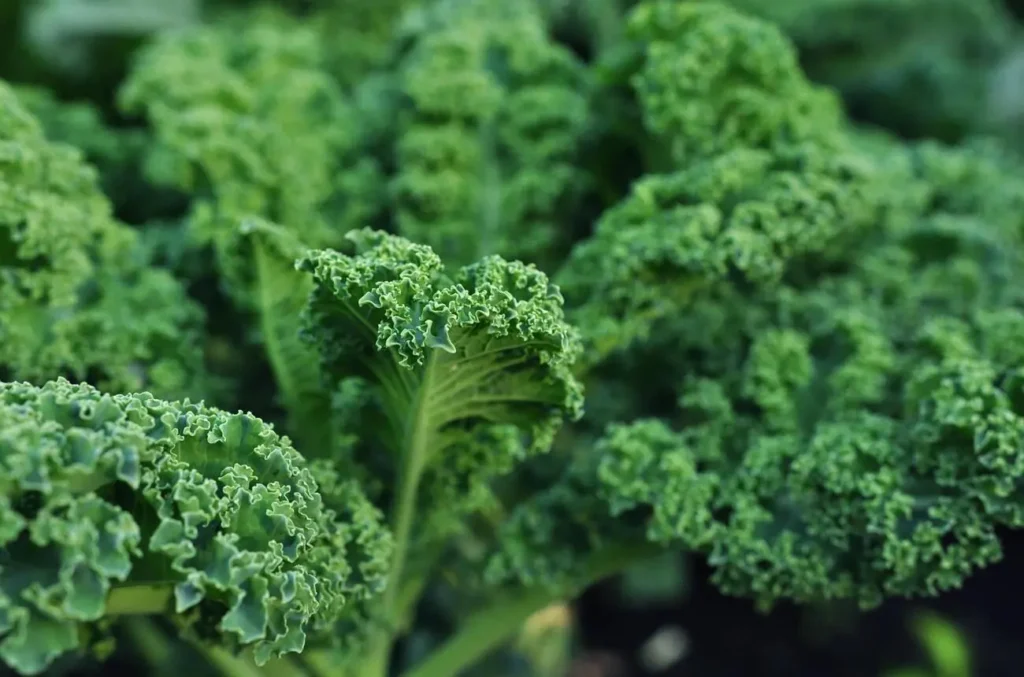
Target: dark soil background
730,638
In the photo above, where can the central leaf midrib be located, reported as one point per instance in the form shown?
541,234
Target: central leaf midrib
413,458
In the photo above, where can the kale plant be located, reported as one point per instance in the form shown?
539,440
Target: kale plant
344,313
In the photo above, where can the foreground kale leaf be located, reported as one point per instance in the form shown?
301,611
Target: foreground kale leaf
130,504
459,379
411,241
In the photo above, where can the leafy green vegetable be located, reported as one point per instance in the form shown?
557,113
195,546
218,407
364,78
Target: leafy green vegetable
485,155
851,433
126,504
77,297
409,236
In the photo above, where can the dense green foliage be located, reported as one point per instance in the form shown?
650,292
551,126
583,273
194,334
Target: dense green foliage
508,297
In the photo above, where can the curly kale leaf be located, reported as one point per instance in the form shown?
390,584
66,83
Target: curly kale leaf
759,171
463,377
739,218
128,504
76,297
487,152
713,79
852,432
46,189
